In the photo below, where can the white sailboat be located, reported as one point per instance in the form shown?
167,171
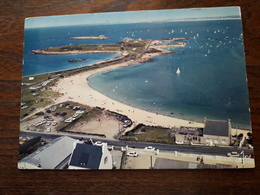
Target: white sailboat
178,71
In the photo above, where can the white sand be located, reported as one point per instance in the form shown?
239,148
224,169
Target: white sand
76,88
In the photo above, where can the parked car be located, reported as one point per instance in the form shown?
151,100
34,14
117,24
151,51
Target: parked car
63,113
80,111
35,94
54,123
48,118
53,108
69,120
33,108
98,143
26,114
127,123
23,107
48,130
151,148
133,154
57,114
233,154
39,113
76,108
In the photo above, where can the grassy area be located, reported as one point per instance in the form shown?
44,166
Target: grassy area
109,47
133,47
91,113
151,134
37,78
56,115
35,99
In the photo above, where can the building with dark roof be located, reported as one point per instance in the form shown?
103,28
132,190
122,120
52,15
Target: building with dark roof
214,133
86,156
217,132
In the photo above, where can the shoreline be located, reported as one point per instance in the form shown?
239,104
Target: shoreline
76,88
100,37
42,52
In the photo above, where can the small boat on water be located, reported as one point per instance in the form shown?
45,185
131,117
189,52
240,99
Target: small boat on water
77,60
178,71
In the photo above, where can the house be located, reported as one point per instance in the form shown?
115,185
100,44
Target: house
54,155
189,135
217,132
89,156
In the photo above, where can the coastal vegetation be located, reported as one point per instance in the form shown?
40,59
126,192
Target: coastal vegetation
37,92
35,99
36,78
144,133
83,47
129,45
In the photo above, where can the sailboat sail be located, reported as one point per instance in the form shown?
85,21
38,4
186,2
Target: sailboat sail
178,71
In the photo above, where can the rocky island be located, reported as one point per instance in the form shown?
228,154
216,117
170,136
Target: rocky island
77,60
127,47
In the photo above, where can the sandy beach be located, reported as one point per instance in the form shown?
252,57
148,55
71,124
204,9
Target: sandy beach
76,88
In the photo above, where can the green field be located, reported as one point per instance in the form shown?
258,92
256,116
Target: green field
133,47
111,47
151,134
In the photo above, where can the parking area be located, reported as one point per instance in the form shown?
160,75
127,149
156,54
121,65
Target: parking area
117,158
147,159
144,160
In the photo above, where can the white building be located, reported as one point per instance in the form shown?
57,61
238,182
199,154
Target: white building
54,155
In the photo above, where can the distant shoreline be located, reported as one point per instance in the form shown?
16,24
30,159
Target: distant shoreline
42,52
100,37
83,93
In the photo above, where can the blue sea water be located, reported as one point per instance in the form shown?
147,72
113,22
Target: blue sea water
212,82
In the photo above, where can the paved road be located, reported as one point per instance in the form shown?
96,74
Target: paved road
220,151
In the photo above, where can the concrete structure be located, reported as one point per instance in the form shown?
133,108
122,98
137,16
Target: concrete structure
54,155
189,135
88,156
214,133
163,163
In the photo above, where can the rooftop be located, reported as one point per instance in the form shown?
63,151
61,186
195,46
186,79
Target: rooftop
218,128
51,155
86,156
